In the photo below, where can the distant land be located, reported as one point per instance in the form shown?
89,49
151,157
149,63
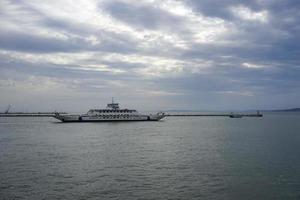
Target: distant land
286,110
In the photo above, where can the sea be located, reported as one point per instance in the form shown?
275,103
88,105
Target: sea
176,158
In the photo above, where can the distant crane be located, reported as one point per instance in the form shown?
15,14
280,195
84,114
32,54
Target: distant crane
8,108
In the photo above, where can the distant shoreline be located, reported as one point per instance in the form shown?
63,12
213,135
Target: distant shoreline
284,110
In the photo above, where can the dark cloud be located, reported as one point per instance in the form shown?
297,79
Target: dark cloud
27,42
142,16
59,71
219,8
33,43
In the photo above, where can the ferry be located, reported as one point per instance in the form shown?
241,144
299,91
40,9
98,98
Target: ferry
112,113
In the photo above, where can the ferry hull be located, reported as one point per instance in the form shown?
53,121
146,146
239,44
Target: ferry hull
78,118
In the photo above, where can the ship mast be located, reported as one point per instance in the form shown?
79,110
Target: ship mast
113,105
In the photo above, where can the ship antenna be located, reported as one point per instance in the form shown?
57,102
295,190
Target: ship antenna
112,100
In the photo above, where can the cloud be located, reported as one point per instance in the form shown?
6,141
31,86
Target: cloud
247,14
252,66
238,93
141,16
34,43
170,51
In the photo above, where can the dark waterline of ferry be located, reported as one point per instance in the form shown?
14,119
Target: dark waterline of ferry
176,158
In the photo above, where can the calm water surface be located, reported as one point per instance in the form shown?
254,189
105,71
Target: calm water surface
177,158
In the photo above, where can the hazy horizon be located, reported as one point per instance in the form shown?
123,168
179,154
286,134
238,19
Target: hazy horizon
149,55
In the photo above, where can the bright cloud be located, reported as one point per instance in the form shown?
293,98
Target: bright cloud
247,14
251,65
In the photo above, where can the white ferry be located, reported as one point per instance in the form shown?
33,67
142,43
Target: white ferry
112,113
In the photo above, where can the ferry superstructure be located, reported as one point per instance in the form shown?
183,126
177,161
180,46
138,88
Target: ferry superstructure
112,113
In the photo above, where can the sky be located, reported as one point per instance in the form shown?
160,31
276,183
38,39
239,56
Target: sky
149,54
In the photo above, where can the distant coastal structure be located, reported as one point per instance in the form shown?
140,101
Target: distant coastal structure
113,113
7,110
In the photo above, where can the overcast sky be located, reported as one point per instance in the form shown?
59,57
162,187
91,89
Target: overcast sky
149,54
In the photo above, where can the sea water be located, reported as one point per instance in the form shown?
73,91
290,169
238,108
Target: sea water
176,158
